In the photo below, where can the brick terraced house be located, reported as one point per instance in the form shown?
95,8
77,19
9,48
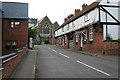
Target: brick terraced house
15,26
94,29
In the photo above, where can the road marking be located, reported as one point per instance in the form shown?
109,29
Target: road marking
49,48
94,68
64,55
54,50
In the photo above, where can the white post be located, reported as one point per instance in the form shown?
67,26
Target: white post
31,43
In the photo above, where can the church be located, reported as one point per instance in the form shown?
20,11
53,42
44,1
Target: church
46,30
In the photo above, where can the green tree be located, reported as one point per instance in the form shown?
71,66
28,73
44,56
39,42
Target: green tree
32,32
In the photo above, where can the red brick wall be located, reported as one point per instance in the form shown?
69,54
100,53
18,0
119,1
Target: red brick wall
96,46
112,47
76,45
10,65
19,34
66,44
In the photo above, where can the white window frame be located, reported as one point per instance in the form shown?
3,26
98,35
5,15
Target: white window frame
86,17
62,29
65,39
90,34
67,26
73,25
76,38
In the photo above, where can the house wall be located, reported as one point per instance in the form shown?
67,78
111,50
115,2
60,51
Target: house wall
19,34
119,20
0,32
79,23
113,30
98,45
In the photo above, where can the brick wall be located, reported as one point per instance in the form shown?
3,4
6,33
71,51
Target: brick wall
10,65
76,45
111,47
19,34
95,46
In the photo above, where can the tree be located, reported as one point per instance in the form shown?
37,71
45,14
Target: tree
32,32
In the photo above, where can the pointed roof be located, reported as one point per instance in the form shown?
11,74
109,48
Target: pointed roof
41,20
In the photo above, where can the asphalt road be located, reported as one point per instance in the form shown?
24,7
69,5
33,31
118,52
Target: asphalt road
54,62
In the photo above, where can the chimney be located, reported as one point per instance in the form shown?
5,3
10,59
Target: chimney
65,19
77,11
84,6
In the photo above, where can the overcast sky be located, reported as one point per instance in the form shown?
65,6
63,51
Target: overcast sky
56,10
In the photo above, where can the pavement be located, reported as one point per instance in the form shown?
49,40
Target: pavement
26,68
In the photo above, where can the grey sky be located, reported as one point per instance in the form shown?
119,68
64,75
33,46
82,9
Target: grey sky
56,10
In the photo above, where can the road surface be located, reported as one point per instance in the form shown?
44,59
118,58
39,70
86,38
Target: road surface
55,62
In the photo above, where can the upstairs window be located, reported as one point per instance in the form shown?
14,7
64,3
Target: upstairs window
17,24
67,26
62,29
86,17
90,34
73,25
14,24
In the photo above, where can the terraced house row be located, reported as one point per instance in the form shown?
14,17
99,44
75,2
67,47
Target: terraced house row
94,29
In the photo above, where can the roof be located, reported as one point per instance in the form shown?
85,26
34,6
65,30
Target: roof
15,10
41,20
88,9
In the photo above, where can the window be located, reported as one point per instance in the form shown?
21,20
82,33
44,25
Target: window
8,45
76,38
14,45
67,26
65,39
46,29
85,35
86,17
73,25
14,24
62,29
90,34
11,45
17,24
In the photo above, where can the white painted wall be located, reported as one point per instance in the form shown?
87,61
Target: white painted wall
119,20
80,22
113,30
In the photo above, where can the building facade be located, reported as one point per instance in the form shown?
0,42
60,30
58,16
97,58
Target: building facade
94,29
0,32
46,30
15,26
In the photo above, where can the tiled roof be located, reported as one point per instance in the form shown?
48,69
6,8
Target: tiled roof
86,10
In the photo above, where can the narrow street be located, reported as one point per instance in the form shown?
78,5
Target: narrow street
54,62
